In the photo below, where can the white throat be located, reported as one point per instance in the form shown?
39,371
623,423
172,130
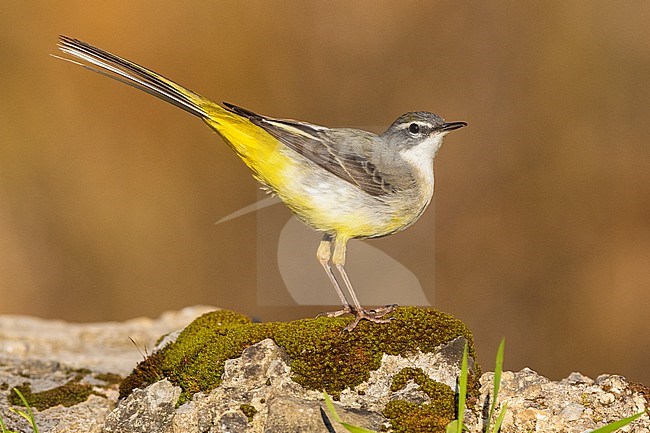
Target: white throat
421,156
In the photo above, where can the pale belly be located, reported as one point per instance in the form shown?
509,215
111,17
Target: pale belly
333,205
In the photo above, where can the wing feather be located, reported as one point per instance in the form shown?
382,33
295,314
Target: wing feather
325,149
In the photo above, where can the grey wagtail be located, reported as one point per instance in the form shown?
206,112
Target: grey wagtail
346,183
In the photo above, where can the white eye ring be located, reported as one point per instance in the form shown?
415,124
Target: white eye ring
414,129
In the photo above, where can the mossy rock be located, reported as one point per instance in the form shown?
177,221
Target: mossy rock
69,394
75,390
323,356
409,417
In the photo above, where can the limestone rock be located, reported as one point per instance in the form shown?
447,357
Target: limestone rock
257,394
73,370
262,386
65,399
261,381
145,411
102,347
231,370
574,405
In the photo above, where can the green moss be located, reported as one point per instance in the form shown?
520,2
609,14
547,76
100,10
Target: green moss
430,387
429,417
82,371
109,378
407,417
248,410
67,395
146,372
322,355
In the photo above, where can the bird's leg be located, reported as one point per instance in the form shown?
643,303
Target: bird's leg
324,254
359,312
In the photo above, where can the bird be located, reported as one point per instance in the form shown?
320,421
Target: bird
343,182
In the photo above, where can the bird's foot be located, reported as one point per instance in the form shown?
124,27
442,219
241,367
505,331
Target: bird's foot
374,316
382,311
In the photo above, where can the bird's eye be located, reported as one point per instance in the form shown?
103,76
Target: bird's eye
414,128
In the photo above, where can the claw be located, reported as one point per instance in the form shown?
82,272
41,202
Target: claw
373,316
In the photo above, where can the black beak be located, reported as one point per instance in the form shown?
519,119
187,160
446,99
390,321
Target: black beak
450,126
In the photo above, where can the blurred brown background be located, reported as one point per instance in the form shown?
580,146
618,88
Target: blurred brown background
108,198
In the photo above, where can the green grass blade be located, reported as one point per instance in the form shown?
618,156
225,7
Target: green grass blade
456,426
500,417
355,429
29,416
335,416
330,408
617,424
498,369
462,390
452,427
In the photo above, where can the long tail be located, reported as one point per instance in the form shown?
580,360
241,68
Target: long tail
137,76
256,147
